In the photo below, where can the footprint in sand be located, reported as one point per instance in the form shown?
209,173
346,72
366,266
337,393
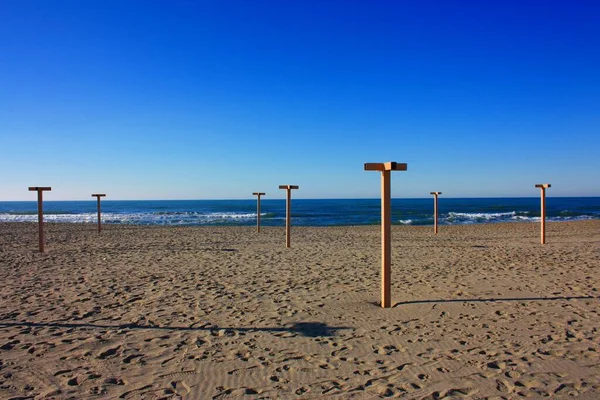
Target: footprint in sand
181,388
130,358
340,350
387,350
75,381
108,353
10,345
504,386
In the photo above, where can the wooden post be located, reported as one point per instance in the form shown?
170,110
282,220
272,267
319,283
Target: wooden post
40,190
288,206
258,210
435,211
386,223
543,187
97,195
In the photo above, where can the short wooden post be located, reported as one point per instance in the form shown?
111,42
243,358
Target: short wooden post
435,211
40,199
258,194
386,223
98,195
288,206
543,187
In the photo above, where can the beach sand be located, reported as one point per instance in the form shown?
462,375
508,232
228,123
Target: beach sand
480,311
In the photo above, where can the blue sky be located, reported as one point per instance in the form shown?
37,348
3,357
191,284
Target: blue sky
218,99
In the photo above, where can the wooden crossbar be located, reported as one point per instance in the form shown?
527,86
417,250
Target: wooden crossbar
387,166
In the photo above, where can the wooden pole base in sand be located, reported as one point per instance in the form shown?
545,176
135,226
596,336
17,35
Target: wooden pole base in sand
288,206
40,191
543,187
258,194
386,223
98,195
435,211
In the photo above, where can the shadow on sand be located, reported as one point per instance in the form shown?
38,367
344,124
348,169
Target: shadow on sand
308,329
492,300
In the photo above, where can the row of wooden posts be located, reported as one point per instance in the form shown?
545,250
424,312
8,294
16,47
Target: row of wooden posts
386,243
41,189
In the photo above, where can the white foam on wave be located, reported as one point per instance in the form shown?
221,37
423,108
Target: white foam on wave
513,216
88,217
522,218
184,218
480,216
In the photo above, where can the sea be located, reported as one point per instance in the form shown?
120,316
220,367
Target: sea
305,212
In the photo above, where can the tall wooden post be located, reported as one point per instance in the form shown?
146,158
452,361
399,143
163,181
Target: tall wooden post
98,195
258,194
435,211
386,224
288,207
40,200
543,187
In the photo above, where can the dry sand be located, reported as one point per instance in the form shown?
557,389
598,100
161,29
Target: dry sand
481,311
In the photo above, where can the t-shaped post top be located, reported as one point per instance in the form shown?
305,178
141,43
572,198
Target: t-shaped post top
258,194
34,188
543,185
99,195
435,193
386,166
288,187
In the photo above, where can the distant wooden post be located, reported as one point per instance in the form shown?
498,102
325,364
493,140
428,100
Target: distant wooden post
258,194
40,190
99,214
288,205
543,187
386,222
435,211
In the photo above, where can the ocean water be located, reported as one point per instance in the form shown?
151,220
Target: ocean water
334,212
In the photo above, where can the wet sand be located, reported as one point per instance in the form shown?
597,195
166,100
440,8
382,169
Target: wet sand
480,311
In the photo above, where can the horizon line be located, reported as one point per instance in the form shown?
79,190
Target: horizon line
311,198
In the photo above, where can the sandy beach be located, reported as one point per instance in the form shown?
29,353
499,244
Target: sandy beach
480,311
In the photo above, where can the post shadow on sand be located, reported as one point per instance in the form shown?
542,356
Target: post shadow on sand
307,329
493,299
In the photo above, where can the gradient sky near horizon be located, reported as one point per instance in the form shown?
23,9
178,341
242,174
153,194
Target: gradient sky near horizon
219,99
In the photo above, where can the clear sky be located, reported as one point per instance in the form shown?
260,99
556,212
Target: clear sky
181,99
